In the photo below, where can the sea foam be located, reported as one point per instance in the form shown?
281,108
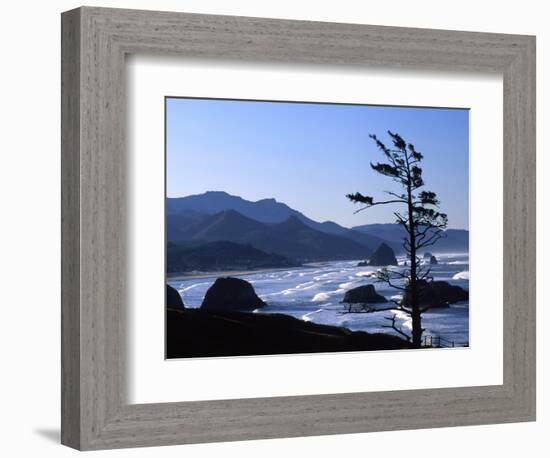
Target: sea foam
346,285
307,316
320,297
367,273
465,275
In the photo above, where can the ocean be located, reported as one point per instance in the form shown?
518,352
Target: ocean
315,294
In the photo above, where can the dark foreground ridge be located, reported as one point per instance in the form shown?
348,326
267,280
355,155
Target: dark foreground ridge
202,333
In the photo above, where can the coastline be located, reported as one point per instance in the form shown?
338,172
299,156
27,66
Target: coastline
229,273
314,291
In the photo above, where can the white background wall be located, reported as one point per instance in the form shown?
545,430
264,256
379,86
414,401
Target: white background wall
29,229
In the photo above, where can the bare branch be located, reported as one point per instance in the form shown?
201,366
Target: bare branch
429,241
365,308
395,201
393,326
401,197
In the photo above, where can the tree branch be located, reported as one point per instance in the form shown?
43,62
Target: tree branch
374,204
395,328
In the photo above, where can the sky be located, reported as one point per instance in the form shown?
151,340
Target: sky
311,155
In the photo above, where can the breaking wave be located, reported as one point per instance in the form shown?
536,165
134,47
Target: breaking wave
464,275
320,297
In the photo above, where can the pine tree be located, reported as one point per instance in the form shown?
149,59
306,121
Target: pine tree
422,223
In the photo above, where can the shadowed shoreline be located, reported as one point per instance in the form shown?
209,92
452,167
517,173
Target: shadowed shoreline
209,333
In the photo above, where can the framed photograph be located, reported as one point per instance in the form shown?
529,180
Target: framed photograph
279,228
239,264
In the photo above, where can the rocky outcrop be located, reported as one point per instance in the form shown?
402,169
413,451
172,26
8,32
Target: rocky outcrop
383,256
173,299
228,293
362,264
430,258
365,294
438,294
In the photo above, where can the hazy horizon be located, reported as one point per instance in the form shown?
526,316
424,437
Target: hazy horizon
277,200
308,156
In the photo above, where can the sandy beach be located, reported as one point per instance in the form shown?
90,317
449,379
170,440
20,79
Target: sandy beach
233,273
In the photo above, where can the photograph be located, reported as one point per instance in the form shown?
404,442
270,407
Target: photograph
299,227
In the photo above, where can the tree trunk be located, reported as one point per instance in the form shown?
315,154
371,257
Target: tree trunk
413,288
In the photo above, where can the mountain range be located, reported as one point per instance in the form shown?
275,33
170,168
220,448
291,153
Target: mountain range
267,211
453,240
276,229
290,238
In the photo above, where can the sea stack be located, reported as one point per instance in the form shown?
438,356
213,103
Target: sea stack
383,256
365,294
433,260
439,293
173,299
228,293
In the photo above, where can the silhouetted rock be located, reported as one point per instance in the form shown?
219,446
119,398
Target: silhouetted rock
439,293
228,293
362,264
383,256
202,333
428,257
365,294
173,298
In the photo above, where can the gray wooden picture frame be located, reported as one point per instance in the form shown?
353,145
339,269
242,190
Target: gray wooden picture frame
95,412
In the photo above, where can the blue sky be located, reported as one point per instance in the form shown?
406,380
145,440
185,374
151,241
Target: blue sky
310,156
